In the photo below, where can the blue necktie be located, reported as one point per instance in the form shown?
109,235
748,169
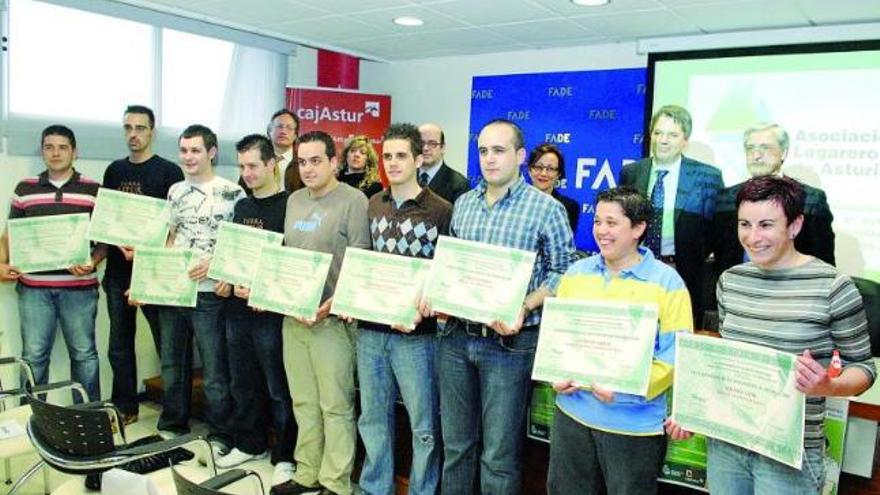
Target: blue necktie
423,179
653,240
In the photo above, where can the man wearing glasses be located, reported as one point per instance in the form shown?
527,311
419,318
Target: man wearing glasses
283,129
434,173
766,146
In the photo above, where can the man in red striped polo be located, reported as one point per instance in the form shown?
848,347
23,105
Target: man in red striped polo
70,296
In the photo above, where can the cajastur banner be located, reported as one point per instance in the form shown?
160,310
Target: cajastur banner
342,114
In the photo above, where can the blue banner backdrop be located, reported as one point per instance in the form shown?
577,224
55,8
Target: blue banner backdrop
596,118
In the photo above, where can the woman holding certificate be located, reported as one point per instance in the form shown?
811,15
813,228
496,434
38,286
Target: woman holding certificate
601,438
794,303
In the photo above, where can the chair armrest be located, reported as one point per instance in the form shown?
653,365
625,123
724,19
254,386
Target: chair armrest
227,478
67,384
12,393
10,360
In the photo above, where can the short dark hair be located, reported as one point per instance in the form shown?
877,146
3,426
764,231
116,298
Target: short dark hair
784,191
544,149
634,204
284,111
258,141
319,137
199,130
142,110
518,139
58,130
678,114
408,132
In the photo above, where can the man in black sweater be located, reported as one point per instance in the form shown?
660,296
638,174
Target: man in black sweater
141,172
258,382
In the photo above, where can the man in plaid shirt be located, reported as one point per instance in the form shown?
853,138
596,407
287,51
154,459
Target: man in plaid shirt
484,371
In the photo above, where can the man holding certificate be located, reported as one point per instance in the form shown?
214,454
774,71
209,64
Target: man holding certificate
493,362
141,172
794,303
198,204
67,296
405,220
602,438
253,338
326,216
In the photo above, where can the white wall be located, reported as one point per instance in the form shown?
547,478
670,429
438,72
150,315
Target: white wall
438,89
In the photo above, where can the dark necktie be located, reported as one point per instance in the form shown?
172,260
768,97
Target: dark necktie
653,240
423,179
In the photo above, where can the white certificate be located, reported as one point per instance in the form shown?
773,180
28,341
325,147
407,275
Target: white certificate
237,252
604,343
477,281
290,281
50,242
380,287
125,219
743,394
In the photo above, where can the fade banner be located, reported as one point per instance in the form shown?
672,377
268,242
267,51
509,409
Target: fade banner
342,114
596,118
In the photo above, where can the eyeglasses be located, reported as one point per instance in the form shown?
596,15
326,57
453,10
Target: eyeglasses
286,127
432,144
544,168
762,148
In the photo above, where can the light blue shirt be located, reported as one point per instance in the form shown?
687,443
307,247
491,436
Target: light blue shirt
670,189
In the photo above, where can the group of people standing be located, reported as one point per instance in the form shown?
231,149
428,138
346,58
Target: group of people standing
263,369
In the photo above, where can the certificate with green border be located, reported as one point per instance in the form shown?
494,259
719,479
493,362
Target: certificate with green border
161,276
290,281
125,219
477,281
237,252
609,344
380,287
52,242
743,394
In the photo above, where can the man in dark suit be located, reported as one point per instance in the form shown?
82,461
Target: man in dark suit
766,146
434,172
682,193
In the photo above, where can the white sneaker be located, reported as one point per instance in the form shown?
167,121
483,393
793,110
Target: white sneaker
236,457
283,473
220,449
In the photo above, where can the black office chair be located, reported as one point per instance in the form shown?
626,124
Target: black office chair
213,485
12,410
81,439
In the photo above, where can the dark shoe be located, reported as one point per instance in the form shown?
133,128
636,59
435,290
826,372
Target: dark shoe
292,488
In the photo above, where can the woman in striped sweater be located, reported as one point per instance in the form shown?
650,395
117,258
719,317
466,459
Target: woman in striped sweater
794,303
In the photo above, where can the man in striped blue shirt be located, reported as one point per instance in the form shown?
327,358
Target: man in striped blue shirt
485,371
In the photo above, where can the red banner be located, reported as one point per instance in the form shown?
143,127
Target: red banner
342,114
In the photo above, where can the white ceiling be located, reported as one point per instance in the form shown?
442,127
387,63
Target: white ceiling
460,27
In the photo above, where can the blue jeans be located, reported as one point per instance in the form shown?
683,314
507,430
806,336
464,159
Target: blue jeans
121,345
258,384
41,310
485,384
733,470
179,325
586,461
384,359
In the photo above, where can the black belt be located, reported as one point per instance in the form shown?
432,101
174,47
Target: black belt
475,329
